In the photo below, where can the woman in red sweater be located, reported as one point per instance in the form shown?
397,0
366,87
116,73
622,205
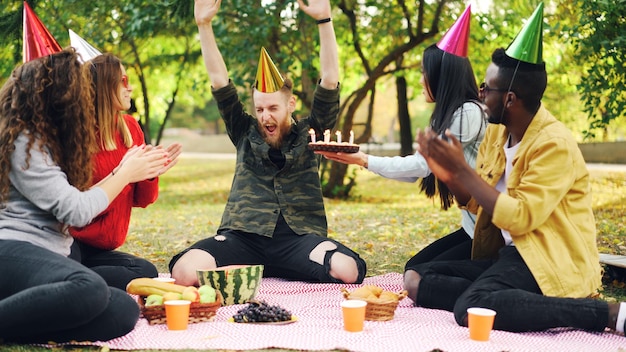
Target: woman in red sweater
95,244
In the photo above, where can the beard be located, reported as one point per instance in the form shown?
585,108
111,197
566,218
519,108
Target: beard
496,115
275,141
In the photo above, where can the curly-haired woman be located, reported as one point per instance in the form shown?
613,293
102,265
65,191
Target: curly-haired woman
47,142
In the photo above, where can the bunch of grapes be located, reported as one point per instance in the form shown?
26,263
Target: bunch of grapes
261,312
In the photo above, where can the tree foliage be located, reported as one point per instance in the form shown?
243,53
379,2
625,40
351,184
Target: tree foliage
600,42
154,39
10,40
380,43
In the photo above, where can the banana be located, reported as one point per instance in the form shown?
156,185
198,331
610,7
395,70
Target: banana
146,286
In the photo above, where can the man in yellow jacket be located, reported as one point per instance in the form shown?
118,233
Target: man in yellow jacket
534,258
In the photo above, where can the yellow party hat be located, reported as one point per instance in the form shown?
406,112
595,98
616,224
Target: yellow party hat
268,79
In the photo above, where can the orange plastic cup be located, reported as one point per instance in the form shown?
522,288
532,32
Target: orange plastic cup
480,323
353,311
177,314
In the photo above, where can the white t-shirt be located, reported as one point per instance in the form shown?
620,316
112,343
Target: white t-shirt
509,153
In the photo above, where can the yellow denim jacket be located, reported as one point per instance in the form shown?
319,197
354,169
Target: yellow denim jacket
547,207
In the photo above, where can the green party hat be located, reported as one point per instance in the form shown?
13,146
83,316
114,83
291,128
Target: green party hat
527,45
268,79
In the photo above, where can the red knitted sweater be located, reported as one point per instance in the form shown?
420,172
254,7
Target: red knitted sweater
109,229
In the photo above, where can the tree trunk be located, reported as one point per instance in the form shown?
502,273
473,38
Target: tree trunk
337,187
406,135
145,119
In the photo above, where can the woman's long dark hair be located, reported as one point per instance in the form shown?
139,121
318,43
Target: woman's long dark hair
451,83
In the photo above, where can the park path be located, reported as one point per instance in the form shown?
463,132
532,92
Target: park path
231,156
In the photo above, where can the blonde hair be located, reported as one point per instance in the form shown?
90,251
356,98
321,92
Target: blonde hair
106,71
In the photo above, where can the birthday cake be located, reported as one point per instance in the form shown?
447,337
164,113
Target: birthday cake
333,146
326,145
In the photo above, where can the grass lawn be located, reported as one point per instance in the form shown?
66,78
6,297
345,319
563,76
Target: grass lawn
385,221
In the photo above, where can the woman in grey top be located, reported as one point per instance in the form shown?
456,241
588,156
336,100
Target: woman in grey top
47,139
448,81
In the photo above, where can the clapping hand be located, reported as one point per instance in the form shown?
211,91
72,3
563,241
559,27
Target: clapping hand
443,153
173,151
143,162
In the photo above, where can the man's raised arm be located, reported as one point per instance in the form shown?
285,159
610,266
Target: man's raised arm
204,12
320,11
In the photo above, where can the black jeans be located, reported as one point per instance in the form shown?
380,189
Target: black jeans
507,286
117,268
453,246
284,255
46,297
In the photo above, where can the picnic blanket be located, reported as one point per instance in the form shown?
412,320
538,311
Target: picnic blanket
319,327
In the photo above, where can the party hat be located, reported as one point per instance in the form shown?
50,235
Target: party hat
268,79
527,45
86,50
456,38
37,40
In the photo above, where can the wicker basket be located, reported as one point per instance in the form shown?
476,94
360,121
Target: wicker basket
378,311
198,312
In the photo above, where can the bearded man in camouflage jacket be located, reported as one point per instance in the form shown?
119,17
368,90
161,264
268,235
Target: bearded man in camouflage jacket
275,213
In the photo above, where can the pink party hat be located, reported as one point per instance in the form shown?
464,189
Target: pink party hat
86,50
456,38
37,40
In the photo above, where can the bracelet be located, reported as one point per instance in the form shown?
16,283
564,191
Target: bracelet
323,20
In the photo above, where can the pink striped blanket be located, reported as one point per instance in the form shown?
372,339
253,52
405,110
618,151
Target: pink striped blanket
319,327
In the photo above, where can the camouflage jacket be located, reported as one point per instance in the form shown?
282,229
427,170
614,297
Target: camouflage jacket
260,190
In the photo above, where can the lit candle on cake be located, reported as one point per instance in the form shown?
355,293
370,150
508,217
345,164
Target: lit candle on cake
312,134
338,134
327,136
351,137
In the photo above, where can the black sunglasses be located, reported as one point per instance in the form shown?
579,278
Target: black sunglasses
484,88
